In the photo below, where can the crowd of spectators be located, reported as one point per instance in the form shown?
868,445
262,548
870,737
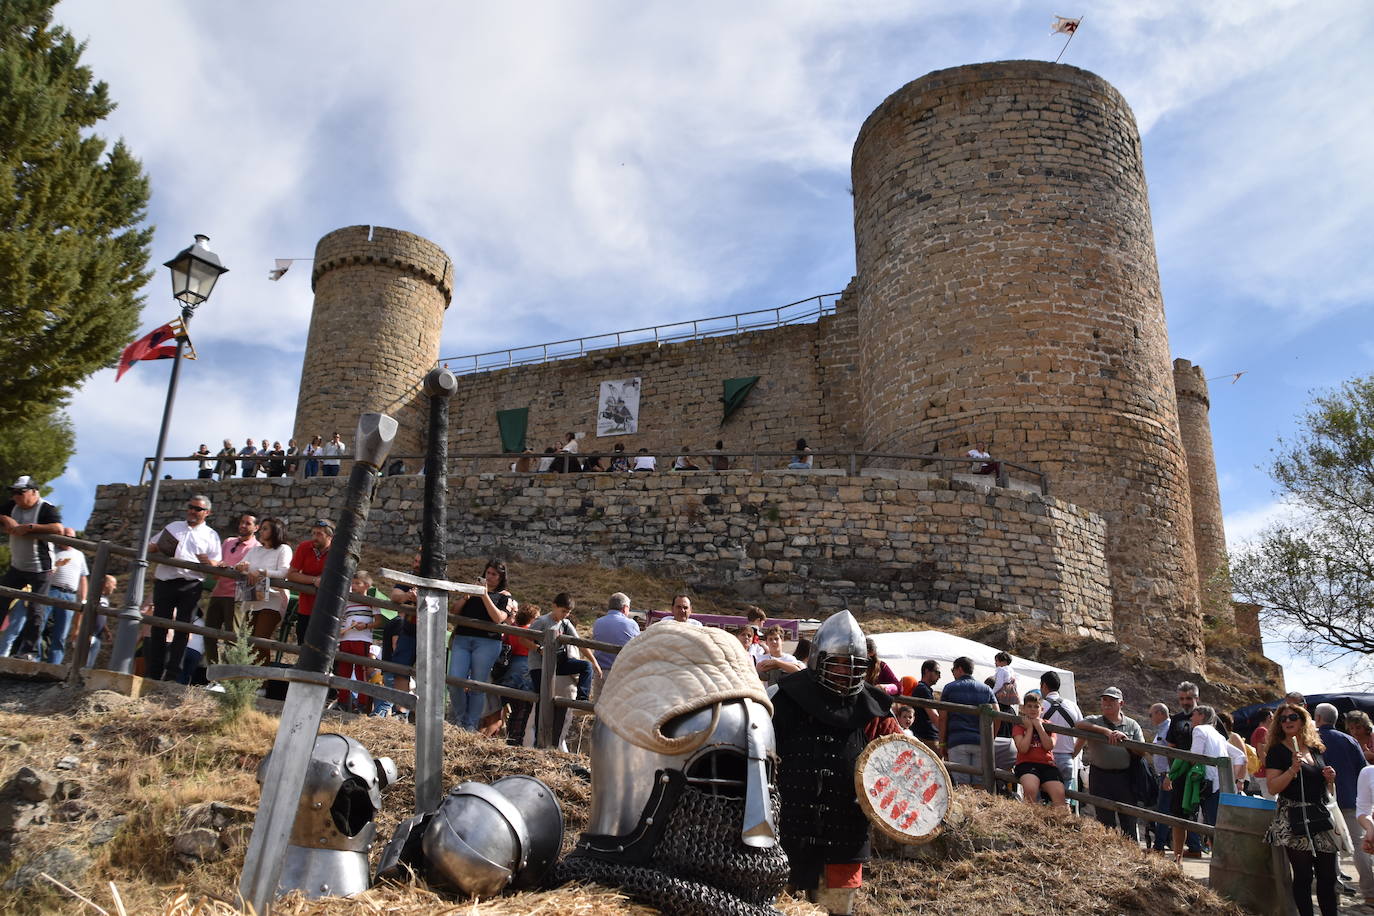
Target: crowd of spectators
269,458
1301,758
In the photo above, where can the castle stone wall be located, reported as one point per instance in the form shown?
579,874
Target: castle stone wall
912,544
380,296
1209,533
1008,294
804,390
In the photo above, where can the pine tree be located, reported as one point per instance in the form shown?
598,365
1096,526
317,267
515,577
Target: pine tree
73,247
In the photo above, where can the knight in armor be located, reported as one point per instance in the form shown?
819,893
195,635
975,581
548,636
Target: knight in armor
684,804
823,716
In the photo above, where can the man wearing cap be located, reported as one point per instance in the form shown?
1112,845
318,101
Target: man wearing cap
177,590
1110,773
307,565
25,517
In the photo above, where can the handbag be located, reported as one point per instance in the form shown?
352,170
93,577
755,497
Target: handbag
1309,818
498,670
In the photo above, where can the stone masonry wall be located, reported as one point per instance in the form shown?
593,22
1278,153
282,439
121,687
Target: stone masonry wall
1008,293
805,390
1209,533
380,296
902,543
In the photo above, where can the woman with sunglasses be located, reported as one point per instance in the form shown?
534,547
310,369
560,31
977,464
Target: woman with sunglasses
1298,776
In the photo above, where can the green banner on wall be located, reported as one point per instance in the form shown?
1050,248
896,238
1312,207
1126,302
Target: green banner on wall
512,424
736,390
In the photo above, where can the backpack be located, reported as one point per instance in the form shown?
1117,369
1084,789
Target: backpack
1054,706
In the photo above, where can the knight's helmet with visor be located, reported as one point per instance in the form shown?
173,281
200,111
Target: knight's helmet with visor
683,763
839,654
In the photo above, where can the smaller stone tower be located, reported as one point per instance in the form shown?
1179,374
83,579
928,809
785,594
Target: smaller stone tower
1209,535
380,297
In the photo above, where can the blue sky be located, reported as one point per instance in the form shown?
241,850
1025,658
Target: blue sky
598,166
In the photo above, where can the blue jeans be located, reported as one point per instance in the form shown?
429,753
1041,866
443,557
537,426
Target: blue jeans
58,621
471,657
332,470
20,611
382,707
518,676
312,467
578,666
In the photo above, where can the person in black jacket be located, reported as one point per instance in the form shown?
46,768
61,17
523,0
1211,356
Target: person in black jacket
823,716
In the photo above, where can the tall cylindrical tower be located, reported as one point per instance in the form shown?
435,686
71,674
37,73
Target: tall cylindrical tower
1209,534
1009,294
380,297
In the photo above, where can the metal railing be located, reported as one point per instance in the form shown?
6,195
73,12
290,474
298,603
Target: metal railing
799,312
852,461
546,700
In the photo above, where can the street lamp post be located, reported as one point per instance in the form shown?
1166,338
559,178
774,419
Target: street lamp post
194,272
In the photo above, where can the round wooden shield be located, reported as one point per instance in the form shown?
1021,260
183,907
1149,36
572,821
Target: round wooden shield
903,788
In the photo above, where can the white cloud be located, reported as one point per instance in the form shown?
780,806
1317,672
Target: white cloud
597,167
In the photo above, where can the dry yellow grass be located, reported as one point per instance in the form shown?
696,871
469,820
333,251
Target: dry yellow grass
997,857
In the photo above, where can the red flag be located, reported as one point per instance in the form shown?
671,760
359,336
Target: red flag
156,344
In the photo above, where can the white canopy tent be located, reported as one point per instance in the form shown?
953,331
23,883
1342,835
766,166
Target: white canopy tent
904,653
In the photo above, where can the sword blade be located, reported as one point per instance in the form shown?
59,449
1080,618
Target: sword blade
281,791
431,615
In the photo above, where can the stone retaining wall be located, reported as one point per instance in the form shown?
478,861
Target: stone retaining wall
903,543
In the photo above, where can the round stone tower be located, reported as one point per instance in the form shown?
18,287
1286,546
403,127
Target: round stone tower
1009,295
380,297
1209,534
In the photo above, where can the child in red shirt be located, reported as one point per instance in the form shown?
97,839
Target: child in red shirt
1035,769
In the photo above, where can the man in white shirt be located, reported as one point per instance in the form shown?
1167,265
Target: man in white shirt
68,583
1159,834
331,452
682,610
1065,713
644,461
176,589
775,663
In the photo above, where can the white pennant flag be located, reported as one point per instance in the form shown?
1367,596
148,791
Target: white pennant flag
1065,26
283,265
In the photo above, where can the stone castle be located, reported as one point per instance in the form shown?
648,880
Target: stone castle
1007,293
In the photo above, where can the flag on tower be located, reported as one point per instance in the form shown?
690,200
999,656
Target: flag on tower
1065,26
156,344
283,265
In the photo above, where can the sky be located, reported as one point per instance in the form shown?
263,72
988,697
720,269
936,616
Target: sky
600,166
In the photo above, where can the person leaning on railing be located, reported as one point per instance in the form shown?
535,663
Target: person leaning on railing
959,739
270,556
1109,775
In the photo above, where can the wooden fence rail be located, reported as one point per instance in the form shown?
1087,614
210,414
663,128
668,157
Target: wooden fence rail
550,641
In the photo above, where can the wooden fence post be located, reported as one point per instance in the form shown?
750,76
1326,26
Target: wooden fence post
94,583
1226,775
987,743
548,674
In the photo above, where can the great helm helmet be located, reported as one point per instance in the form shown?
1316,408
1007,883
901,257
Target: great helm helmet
839,654
682,700
334,828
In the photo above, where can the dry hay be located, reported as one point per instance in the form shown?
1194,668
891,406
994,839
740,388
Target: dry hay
152,758
1001,856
